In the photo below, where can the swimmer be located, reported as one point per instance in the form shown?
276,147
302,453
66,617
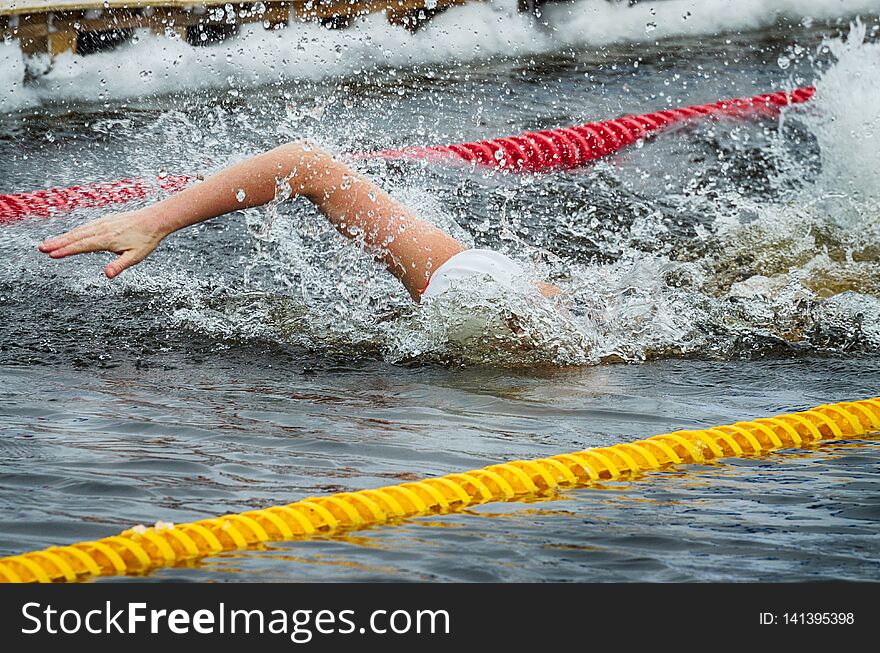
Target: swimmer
423,257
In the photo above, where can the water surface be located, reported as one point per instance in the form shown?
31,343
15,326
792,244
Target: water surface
719,272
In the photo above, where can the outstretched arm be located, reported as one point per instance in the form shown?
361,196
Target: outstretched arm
410,247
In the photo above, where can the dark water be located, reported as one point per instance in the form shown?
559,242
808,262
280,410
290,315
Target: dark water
258,360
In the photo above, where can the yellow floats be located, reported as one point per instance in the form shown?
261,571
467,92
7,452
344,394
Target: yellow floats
141,550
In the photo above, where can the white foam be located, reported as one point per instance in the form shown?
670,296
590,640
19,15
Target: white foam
845,117
602,23
13,94
159,65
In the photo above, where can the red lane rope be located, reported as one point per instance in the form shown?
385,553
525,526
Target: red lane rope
60,200
571,147
551,149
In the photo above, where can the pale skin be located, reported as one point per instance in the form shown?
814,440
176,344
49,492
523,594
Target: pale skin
409,246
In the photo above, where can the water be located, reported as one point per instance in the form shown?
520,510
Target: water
90,452
731,266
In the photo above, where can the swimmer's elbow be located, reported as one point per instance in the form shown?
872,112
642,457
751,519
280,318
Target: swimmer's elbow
305,152
302,165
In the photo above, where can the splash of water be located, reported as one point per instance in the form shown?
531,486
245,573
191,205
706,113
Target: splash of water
791,267
156,65
845,117
762,274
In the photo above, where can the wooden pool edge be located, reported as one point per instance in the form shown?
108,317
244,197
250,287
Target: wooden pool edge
86,26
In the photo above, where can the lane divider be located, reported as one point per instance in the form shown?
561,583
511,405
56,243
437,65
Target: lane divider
572,147
550,149
140,550
56,201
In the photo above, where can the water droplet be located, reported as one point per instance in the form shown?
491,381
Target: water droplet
650,27
240,195
783,61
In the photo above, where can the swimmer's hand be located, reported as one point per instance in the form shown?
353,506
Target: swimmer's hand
132,235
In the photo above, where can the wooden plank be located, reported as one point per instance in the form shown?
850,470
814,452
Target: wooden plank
35,26
277,13
33,34
398,15
52,26
312,9
62,41
21,7
305,8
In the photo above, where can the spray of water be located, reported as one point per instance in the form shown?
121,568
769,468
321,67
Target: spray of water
152,64
793,266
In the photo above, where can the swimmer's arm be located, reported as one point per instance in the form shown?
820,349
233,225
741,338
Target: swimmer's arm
409,246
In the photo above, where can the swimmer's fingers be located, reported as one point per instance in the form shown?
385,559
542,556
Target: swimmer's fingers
106,226
80,233
128,259
92,244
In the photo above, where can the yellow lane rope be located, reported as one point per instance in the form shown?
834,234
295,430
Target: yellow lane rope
140,550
